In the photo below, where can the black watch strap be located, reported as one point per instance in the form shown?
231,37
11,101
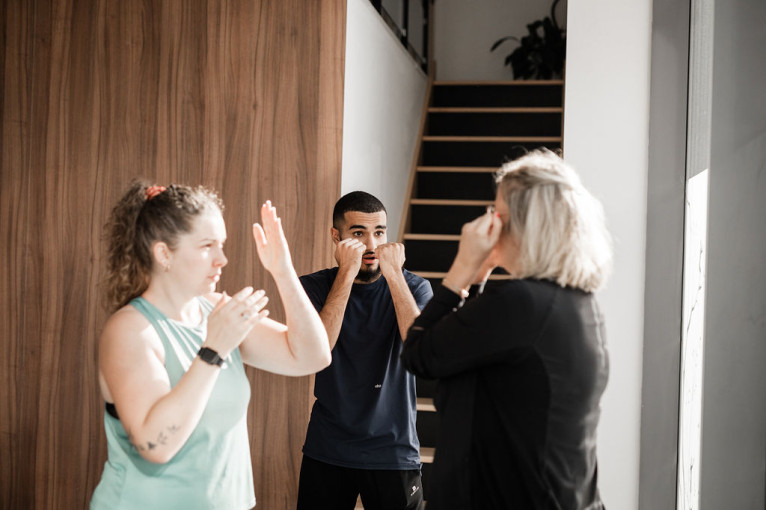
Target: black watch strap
210,356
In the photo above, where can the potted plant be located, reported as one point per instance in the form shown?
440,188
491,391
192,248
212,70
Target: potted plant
539,55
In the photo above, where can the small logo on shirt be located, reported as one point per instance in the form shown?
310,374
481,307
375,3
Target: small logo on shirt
415,489
378,386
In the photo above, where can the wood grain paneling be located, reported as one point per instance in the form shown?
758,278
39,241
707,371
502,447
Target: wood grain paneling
241,95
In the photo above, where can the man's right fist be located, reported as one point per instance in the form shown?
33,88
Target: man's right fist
348,253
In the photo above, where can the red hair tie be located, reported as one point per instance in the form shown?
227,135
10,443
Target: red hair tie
153,191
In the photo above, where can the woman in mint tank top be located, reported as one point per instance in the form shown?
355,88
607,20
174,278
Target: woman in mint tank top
171,356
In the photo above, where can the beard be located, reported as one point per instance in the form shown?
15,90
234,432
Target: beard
368,275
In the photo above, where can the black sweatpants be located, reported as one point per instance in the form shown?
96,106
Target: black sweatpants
324,486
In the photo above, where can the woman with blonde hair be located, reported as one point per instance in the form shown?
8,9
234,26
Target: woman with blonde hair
171,355
521,366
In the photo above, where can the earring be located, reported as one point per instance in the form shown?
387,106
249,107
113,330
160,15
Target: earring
166,267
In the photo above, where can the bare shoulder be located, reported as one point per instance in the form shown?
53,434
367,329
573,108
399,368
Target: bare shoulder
127,329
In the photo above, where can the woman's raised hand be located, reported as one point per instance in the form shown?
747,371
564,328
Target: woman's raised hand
477,239
233,318
270,241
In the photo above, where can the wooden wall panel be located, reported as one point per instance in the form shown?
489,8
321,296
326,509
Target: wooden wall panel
242,95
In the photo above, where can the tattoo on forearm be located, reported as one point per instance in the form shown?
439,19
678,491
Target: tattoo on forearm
162,439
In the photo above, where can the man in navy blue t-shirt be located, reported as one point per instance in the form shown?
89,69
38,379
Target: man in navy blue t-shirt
361,438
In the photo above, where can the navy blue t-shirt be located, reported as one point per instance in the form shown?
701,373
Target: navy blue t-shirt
364,415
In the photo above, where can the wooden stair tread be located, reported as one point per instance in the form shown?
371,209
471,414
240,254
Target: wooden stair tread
426,404
432,138
495,109
458,169
427,454
432,237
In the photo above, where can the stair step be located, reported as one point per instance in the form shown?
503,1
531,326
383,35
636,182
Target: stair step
429,255
430,216
426,388
426,404
520,126
432,237
515,139
478,152
460,83
459,169
495,109
446,201
437,275
545,93
427,454
427,425
457,186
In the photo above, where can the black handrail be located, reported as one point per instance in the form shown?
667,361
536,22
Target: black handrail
403,33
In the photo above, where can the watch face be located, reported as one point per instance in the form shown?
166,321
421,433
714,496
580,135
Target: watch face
210,356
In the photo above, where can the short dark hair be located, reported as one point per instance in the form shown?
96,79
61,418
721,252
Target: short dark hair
358,201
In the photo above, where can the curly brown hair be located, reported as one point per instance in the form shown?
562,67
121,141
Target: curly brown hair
136,223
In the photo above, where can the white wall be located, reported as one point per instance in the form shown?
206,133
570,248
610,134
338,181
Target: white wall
464,31
383,97
605,139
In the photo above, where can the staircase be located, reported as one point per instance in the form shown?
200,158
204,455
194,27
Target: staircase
468,130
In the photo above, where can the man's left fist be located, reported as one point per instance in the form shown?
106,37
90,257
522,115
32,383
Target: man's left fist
391,257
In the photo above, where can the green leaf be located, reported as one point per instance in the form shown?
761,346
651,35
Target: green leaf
500,41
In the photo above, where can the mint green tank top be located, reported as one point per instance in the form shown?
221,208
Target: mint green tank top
212,470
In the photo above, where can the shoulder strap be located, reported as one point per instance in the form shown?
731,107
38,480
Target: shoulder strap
181,343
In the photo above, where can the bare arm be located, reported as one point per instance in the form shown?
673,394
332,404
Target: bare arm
348,254
300,346
159,419
391,257
335,305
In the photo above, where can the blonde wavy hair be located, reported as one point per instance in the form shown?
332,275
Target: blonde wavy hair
558,225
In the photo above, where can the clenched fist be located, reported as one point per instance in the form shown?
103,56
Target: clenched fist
391,258
348,254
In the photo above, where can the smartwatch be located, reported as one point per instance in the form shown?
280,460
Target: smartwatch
210,356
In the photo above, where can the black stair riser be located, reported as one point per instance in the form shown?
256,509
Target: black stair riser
426,388
494,124
435,282
427,424
492,154
442,219
497,95
429,255
453,185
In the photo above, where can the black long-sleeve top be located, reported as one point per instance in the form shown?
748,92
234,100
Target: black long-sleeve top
521,370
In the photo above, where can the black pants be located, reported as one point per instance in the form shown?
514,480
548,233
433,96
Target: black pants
324,486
